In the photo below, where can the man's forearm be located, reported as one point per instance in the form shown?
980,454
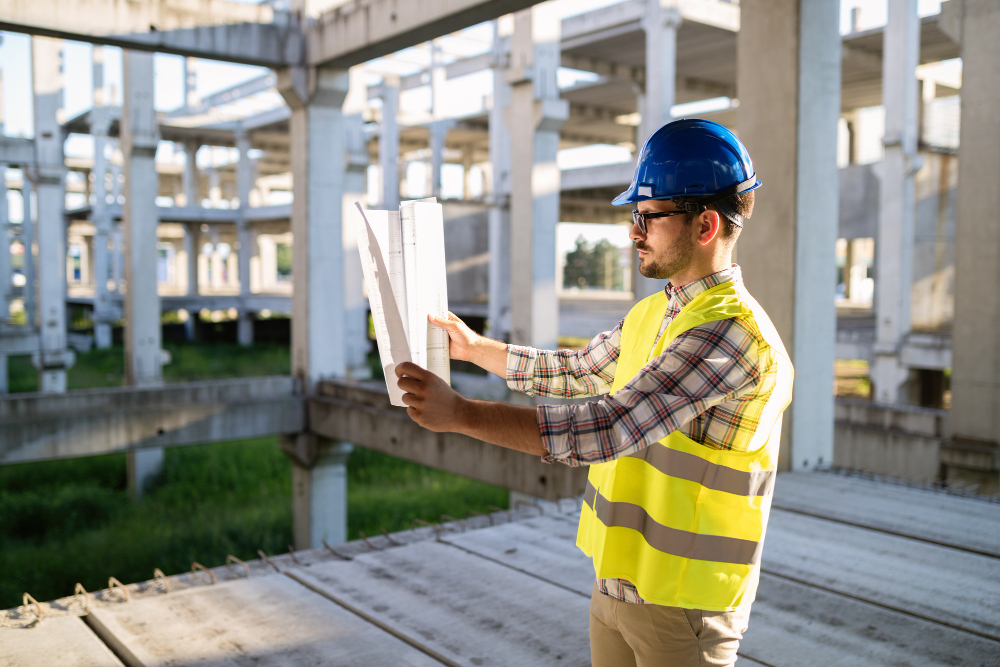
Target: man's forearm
490,355
510,426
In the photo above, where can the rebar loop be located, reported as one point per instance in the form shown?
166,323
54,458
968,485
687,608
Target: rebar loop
158,575
494,508
336,553
364,538
114,583
474,512
260,552
230,559
291,552
524,503
79,590
460,522
199,566
26,599
420,522
389,537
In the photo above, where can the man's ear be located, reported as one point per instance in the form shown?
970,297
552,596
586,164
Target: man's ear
710,225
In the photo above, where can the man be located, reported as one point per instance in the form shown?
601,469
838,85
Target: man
683,446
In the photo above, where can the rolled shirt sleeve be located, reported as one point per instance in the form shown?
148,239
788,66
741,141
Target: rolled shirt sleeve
701,369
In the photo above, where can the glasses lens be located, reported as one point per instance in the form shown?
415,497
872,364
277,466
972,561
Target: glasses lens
640,221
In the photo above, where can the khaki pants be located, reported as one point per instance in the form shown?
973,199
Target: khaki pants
648,635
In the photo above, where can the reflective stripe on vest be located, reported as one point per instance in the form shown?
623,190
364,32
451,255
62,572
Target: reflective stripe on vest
683,522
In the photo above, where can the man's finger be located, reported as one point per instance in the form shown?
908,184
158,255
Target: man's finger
411,369
409,385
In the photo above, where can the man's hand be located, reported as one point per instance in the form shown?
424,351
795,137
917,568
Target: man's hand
430,401
463,339
467,345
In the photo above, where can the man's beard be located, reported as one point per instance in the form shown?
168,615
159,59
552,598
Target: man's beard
674,261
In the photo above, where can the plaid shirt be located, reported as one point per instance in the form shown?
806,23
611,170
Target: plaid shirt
707,384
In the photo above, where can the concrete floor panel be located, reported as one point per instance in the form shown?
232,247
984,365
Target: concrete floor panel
63,641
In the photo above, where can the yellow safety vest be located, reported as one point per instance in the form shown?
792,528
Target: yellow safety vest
684,522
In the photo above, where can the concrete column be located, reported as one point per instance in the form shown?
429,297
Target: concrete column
536,115
388,143
437,129
975,380
244,183
100,123
192,248
320,496
191,97
319,144
660,24
48,175
190,175
499,197
117,234
788,120
895,241
28,238
142,302
5,261
139,137
355,190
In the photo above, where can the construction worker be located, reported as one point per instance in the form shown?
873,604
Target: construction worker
683,444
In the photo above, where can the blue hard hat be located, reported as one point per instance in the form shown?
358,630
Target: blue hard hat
690,157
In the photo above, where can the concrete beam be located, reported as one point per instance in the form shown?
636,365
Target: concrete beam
253,34
36,427
17,151
362,415
788,119
358,31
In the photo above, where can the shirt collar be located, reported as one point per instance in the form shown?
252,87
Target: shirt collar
685,294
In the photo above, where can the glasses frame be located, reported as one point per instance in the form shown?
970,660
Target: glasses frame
639,219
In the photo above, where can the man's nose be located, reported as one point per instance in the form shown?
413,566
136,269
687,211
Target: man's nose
635,234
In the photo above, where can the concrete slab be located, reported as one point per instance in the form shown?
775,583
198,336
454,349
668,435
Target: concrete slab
464,607
63,641
964,523
793,624
270,620
923,579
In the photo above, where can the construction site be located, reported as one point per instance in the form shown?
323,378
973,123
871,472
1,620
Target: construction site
186,172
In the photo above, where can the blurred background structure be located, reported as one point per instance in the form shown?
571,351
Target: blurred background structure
175,172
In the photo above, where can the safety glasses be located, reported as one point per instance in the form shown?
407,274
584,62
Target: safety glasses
640,218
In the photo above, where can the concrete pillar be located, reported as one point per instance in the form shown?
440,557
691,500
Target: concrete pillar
498,314
190,175
139,139
192,248
244,176
788,118
191,97
895,241
5,261
28,238
355,190
100,123
320,330
975,380
535,116
117,234
143,466
320,496
438,130
660,24
388,143
48,175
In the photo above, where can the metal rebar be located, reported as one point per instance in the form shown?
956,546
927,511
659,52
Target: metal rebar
364,538
158,574
260,552
460,522
336,553
291,552
26,599
389,537
198,566
113,583
79,590
494,508
230,559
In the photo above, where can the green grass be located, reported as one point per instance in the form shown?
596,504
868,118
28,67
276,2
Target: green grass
189,362
69,521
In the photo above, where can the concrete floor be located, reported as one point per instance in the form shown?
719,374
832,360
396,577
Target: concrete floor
855,572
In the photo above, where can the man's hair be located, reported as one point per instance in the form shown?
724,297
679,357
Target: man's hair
741,203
